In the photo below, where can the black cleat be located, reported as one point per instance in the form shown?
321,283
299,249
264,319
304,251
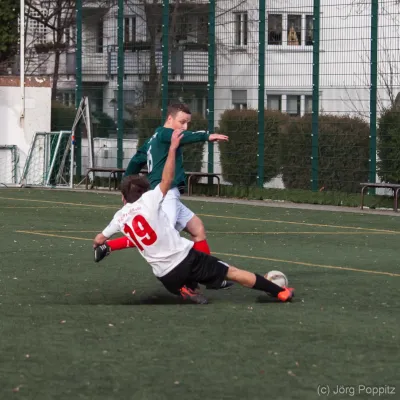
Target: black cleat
194,296
224,285
101,251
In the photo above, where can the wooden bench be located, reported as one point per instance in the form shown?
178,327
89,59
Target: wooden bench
202,174
394,186
113,173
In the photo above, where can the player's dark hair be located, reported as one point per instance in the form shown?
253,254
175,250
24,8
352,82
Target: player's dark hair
132,187
173,109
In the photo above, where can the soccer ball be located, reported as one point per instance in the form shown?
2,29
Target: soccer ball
277,277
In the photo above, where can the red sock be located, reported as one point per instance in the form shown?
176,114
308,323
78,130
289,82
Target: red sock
120,243
202,246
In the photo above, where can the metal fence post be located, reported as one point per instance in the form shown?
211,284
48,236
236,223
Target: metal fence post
78,84
165,59
315,97
211,82
373,92
120,84
261,92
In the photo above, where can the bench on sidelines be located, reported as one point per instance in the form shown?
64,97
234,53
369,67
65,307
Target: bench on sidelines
394,186
113,173
202,174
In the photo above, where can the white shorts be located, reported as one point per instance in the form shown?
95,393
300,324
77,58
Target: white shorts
178,213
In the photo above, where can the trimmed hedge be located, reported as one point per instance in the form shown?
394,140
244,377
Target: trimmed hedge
239,155
150,118
62,117
388,145
103,124
295,196
343,153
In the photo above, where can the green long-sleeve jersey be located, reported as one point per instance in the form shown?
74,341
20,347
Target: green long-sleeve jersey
154,153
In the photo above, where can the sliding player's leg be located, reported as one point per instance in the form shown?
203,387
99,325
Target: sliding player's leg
191,223
179,281
258,282
211,271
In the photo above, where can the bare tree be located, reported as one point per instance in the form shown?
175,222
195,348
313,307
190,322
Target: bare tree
58,17
388,68
149,13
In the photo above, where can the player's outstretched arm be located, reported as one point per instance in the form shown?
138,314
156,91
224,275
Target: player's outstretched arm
169,167
111,229
193,137
217,137
99,240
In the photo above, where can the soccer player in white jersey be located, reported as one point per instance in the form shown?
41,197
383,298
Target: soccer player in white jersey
173,259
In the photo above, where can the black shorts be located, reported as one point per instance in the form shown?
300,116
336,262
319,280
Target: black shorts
197,267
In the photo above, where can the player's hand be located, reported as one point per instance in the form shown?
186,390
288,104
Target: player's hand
176,137
99,240
216,137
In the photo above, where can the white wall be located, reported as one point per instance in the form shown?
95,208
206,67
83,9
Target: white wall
13,130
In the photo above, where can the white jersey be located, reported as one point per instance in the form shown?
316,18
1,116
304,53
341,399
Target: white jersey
148,227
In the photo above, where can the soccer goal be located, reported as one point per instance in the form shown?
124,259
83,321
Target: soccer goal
8,165
47,154
51,158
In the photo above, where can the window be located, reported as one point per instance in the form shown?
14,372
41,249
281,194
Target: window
38,30
309,30
69,35
274,29
202,29
182,27
99,36
129,102
239,99
290,29
274,102
294,30
129,30
241,29
293,105
308,104
66,97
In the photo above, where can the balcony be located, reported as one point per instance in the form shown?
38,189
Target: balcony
184,65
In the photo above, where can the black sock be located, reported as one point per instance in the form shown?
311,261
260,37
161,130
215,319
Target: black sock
266,286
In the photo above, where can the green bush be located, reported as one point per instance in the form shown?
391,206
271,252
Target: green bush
343,153
239,156
147,121
150,118
62,117
388,145
103,124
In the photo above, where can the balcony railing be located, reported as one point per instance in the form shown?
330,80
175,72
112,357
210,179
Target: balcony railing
183,64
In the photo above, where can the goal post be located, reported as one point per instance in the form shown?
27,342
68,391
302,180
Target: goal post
51,157
45,157
8,165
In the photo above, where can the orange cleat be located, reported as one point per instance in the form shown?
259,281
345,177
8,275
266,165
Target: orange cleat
193,295
286,295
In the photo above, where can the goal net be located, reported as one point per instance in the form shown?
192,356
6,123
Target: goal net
49,161
8,165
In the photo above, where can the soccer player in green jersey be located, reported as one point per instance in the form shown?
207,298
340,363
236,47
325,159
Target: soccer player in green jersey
154,153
